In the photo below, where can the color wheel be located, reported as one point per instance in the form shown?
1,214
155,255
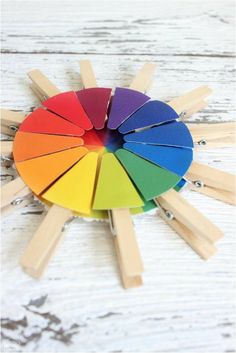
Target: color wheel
91,153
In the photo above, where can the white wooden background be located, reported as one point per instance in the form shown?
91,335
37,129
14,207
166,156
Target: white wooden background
185,305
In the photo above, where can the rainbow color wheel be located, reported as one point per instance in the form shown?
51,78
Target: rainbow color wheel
89,153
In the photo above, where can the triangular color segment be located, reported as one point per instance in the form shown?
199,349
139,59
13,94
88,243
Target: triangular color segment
150,179
95,103
172,134
176,160
29,145
43,122
124,103
68,106
40,172
152,113
74,190
114,188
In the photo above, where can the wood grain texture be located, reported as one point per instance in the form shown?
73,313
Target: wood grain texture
186,305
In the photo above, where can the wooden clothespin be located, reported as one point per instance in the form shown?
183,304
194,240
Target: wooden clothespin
45,241
130,263
121,221
191,100
41,85
189,223
116,193
144,78
129,275
14,195
195,109
128,255
141,83
212,182
10,121
87,74
213,135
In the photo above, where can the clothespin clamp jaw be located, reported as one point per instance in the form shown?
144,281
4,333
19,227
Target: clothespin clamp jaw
6,153
166,214
112,226
10,121
213,135
212,182
190,102
15,195
6,161
17,203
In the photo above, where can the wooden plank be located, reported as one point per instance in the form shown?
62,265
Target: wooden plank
116,27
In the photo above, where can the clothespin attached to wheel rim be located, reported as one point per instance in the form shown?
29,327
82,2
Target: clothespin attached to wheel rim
213,135
190,100
212,182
